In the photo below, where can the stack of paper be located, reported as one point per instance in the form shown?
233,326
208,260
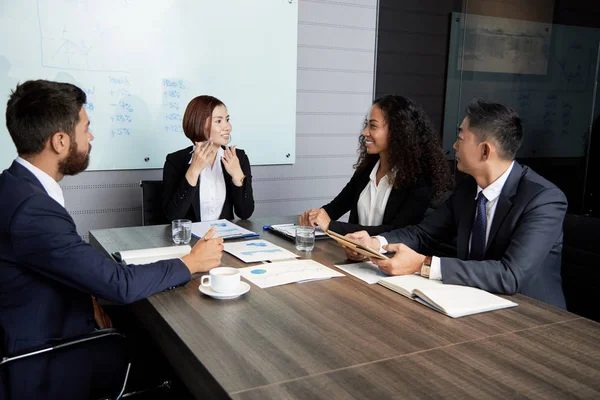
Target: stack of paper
284,272
224,229
146,256
366,271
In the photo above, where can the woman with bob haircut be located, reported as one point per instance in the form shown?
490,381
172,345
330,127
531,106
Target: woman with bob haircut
401,170
208,180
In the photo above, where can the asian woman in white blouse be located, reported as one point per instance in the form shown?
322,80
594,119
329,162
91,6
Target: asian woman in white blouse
401,168
207,180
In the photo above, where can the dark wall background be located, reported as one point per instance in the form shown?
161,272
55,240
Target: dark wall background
413,39
412,51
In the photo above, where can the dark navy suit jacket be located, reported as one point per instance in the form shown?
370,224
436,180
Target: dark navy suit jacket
523,251
47,274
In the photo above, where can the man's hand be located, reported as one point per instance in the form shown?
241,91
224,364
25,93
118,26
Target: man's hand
363,238
206,254
406,261
102,319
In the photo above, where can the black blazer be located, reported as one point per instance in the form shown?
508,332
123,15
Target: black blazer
523,253
405,206
47,274
181,200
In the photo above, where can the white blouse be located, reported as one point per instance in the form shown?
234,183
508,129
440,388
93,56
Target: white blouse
373,199
212,189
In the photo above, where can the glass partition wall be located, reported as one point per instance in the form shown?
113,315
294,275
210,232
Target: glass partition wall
549,74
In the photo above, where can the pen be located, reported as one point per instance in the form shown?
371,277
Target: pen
276,226
240,235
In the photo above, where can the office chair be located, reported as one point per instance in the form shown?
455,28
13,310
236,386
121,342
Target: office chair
152,212
580,267
77,341
83,339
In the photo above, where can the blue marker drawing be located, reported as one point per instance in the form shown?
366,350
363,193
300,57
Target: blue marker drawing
221,224
258,244
249,253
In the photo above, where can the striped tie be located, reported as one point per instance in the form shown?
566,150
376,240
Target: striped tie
478,230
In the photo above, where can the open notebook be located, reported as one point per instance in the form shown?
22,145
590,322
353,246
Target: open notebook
453,300
146,256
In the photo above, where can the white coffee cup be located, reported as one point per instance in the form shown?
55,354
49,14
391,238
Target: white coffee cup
222,280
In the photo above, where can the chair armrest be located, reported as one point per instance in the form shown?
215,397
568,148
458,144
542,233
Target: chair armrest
61,344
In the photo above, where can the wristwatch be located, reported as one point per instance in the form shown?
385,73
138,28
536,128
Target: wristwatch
426,267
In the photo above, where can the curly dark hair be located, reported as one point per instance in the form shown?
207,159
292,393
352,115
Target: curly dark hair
415,148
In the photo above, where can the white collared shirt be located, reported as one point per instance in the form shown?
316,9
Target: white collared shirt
492,194
50,185
212,189
373,199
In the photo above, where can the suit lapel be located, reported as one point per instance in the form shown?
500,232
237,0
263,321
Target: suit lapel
465,221
504,201
185,162
391,208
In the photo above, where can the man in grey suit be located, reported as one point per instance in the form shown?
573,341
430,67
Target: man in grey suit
507,220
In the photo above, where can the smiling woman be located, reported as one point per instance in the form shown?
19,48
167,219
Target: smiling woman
401,168
208,180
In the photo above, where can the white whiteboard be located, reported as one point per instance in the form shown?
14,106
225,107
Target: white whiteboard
141,61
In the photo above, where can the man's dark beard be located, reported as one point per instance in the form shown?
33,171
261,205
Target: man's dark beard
75,162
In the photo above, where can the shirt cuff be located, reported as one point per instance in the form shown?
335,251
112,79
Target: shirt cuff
382,242
435,272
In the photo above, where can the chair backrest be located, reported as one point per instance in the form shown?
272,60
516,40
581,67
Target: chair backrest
581,265
152,211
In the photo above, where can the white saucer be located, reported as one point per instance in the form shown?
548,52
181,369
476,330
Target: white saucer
207,290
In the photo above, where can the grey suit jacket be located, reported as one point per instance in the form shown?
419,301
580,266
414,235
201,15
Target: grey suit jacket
523,253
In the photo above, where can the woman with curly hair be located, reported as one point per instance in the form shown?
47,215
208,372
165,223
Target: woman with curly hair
400,170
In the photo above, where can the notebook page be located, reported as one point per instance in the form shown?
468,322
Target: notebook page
405,284
457,301
144,256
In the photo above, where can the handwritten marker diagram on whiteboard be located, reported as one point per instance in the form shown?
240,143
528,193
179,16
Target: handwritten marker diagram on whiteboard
258,250
284,272
140,62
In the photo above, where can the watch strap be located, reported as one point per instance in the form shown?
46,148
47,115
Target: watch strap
426,267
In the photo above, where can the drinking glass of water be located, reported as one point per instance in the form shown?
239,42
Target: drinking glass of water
181,231
305,238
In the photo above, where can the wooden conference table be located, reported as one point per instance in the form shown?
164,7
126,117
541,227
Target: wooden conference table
342,338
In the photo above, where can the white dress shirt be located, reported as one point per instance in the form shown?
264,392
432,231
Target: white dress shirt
373,199
491,193
212,189
50,185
